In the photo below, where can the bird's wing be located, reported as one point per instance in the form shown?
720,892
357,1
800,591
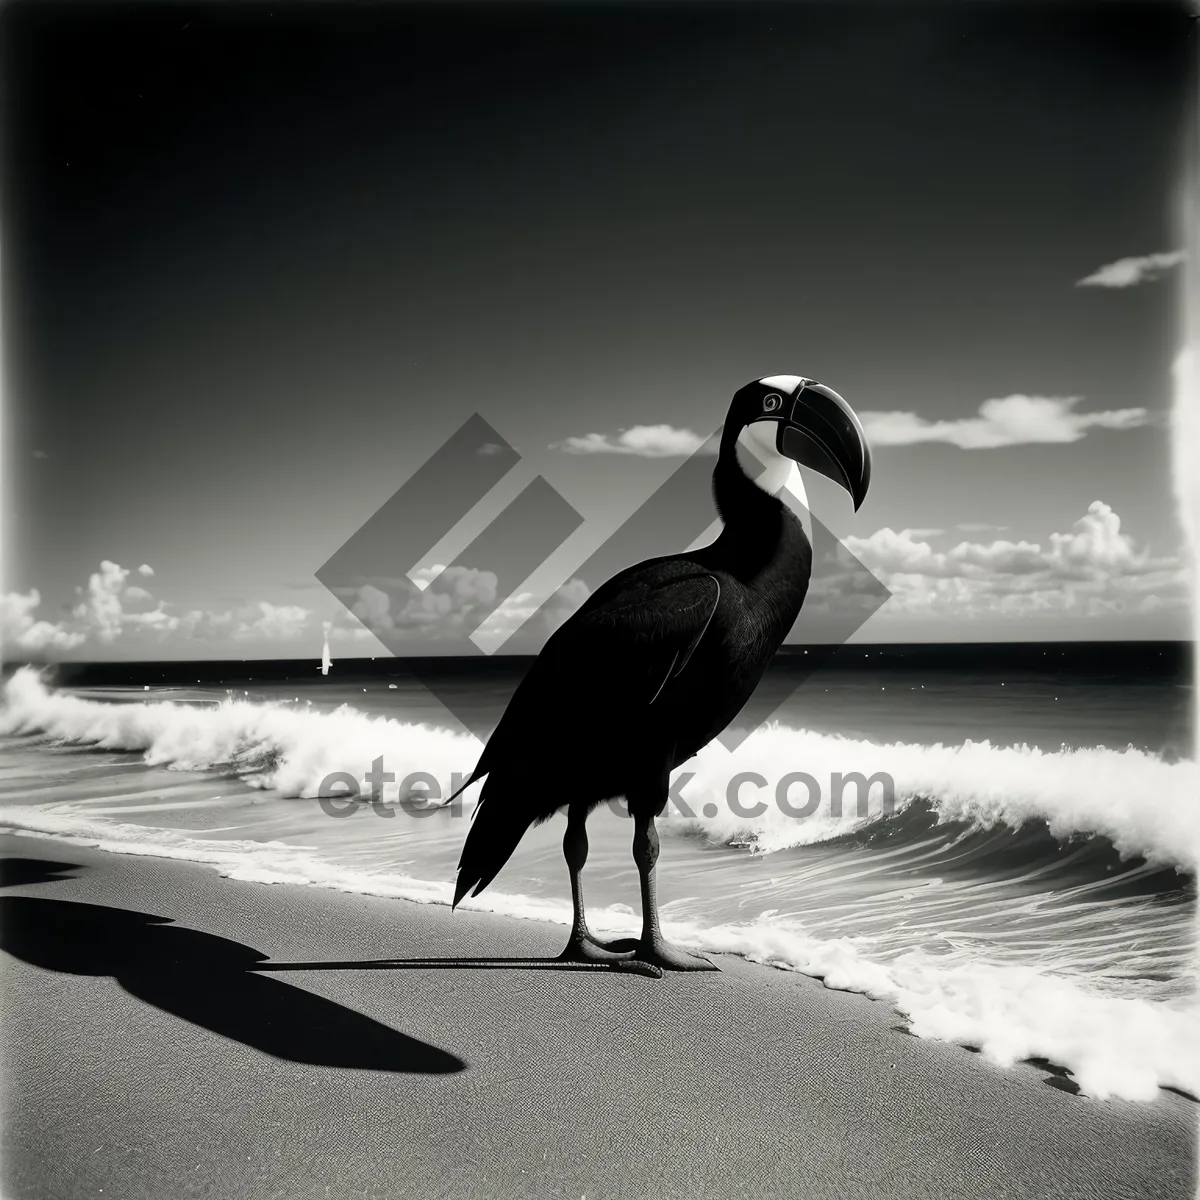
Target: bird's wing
633,633
611,660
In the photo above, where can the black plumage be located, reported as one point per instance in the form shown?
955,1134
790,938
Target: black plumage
656,663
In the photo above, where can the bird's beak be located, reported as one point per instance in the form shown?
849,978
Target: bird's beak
821,432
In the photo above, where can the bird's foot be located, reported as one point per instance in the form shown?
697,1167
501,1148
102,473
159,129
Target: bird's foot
584,948
661,953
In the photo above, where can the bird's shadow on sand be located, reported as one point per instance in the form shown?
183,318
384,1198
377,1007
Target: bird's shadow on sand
466,963
14,871
198,977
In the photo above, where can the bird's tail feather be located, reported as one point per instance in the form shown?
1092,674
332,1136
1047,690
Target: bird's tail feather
454,795
495,831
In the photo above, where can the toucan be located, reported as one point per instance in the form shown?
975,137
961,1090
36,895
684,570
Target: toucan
662,657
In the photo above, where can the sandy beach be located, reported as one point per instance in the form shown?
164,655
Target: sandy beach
145,1058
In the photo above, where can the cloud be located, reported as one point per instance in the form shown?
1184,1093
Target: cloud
564,602
1011,421
40,454
1128,272
1005,421
101,608
646,441
262,621
556,608
345,631
438,602
512,614
204,625
274,622
1093,569
146,569
979,527
454,602
110,609
102,613
156,619
19,627
373,608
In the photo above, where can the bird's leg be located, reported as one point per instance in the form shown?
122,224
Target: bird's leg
654,948
582,947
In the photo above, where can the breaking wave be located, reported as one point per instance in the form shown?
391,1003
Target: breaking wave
1144,805
1140,802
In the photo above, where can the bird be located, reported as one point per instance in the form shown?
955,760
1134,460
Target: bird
660,659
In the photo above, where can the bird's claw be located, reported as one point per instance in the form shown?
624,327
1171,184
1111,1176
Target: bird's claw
585,948
661,953
652,955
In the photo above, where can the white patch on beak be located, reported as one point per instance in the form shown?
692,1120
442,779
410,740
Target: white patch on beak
781,472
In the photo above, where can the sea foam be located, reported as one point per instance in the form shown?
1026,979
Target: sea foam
1142,803
1114,1046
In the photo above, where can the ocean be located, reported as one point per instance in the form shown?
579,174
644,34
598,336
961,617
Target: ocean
1019,877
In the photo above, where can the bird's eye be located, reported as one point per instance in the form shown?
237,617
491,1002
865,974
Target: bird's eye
772,402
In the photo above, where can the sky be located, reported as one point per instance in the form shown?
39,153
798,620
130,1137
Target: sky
261,264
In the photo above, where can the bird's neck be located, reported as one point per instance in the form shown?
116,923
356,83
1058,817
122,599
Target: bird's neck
759,529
